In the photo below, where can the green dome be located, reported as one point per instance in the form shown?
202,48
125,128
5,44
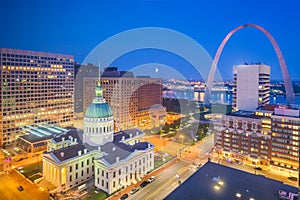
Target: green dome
98,110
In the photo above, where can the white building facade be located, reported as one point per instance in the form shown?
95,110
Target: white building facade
251,86
113,160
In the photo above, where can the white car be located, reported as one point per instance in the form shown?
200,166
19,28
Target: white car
134,190
151,179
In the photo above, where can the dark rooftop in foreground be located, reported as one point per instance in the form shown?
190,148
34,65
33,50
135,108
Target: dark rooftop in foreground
200,185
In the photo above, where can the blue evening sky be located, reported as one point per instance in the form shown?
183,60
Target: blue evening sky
76,27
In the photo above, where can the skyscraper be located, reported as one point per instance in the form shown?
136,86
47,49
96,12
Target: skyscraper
251,86
36,87
84,70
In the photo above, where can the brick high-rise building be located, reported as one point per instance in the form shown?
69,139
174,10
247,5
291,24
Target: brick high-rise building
285,127
269,137
36,87
129,97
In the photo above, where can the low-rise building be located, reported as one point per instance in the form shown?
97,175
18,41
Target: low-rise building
34,137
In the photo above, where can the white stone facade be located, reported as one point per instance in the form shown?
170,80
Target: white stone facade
124,172
98,131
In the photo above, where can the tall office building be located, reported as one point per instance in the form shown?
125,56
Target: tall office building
129,97
36,87
251,86
81,71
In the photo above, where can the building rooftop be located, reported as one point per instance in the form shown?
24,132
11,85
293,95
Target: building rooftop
202,185
40,132
126,134
69,152
121,150
243,113
72,132
113,72
29,52
111,150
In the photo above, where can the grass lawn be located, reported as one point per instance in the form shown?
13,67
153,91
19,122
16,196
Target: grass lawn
31,169
94,194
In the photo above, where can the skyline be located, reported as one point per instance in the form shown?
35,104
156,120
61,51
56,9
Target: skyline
66,28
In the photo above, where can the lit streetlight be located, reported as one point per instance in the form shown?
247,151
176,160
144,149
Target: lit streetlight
181,137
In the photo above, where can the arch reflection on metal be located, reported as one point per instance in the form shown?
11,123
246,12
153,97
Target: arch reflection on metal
290,96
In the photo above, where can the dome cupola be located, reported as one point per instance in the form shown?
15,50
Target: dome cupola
98,121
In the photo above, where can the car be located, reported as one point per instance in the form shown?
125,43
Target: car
124,196
144,184
293,178
151,179
20,188
258,168
134,190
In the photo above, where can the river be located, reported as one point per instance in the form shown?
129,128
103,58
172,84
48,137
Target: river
218,97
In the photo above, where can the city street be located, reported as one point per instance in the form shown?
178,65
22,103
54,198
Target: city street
9,191
165,182
166,179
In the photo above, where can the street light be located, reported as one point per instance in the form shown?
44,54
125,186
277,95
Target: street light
180,136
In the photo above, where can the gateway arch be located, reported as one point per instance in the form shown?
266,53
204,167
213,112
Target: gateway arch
290,96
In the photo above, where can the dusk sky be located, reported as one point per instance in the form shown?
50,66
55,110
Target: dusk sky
76,28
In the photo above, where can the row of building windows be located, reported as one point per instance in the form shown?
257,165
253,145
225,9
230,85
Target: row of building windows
88,162
285,120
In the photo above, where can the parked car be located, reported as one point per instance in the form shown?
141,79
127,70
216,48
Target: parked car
124,196
20,188
144,184
258,168
134,190
293,178
151,179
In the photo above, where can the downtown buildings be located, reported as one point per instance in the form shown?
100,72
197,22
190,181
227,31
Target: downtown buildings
36,87
81,72
133,99
251,86
259,134
113,160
